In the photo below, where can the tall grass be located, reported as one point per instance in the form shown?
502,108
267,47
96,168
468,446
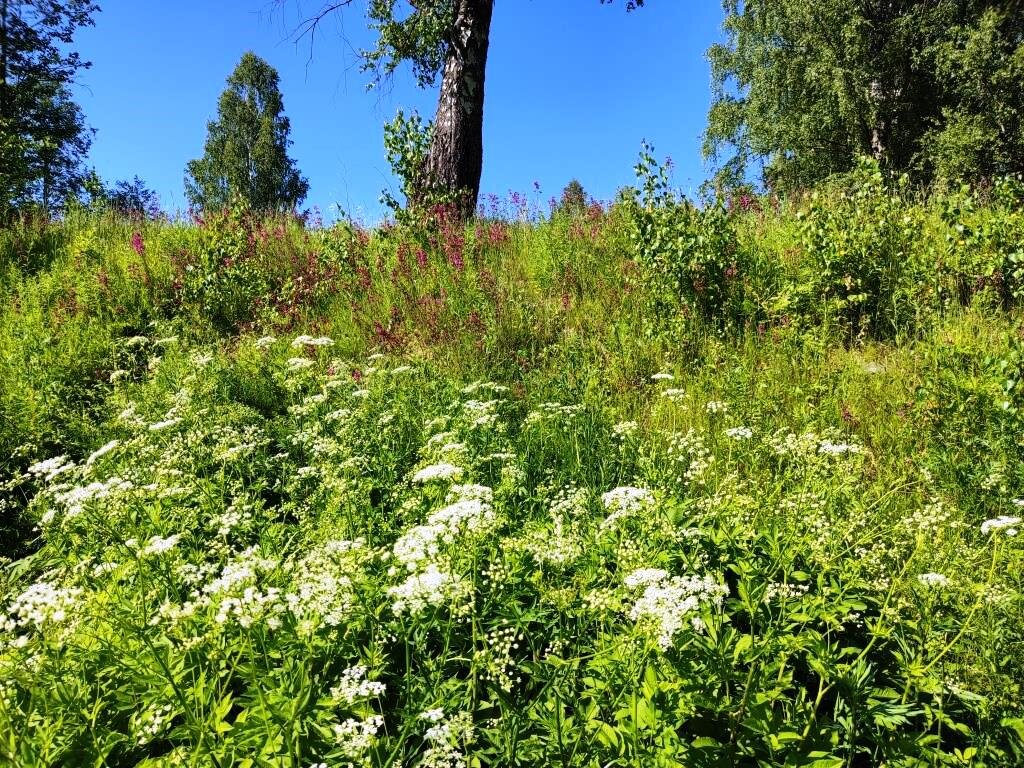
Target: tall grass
648,485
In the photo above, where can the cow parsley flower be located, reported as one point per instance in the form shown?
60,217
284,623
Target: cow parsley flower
354,686
430,588
158,545
41,605
165,424
668,604
674,394
739,433
837,449
933,579
52,468
311,341
436,473
102,451
624,501
265,341
1002,522
662,377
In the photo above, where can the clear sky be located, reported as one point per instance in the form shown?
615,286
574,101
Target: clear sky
572,89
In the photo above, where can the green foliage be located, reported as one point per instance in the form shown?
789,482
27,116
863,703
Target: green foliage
927,88
43,136
573,201
864,270
691,254
981,64
246,152
727,541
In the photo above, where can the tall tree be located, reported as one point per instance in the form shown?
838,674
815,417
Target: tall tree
805,88
43,135
439,37
246,153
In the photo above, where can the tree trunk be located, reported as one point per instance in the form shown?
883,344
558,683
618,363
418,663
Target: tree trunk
455,159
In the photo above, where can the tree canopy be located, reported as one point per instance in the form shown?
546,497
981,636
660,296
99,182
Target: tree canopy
927,87
246,152
43,135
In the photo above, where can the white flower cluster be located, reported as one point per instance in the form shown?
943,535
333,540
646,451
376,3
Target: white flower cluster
551,411
933,580
482,412
624,501
158,426
556,545
716,406
1003,522
50,469
354,686
662,377
830,448
429,588
322,591
75,499
102,451
739,433
689,453
298,364
437,473
675,394
785,591
41,605
312,341
356,737
928,521
488,386
158,545
265,341
624,429
669,603
495,660
151,722
448,737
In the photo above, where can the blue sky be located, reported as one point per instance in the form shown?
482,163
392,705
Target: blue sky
572,89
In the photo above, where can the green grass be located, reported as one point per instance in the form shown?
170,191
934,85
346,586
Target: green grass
406,546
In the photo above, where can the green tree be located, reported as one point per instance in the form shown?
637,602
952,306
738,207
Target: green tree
246,152
449,38
43,135
980,67
805,88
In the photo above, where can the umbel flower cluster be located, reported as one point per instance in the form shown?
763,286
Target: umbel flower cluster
392,570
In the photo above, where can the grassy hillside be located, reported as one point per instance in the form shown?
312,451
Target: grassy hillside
647,485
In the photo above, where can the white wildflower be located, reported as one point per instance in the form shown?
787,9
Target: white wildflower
437,472
837,449
1006,522
164,424
103,451
158,545
354,686
624,501
933,579
668,605
51,468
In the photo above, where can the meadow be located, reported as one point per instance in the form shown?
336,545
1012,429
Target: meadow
645,484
